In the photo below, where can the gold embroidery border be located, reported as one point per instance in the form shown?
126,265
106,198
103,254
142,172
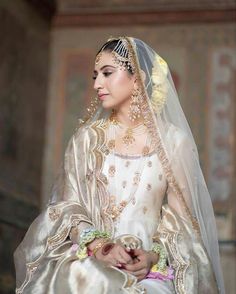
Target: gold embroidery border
51,243
99,149
179,264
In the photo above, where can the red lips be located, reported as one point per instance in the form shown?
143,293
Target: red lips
102,96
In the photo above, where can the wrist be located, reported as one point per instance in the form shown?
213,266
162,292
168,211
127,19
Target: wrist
98,245
91,246
105,248
154,257
90,237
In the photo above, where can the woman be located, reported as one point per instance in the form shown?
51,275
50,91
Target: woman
130,212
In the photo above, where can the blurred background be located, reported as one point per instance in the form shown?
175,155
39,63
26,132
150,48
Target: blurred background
47,51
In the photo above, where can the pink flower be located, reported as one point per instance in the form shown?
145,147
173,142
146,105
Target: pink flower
160,276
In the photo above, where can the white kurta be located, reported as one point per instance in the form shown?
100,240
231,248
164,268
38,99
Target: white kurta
140,182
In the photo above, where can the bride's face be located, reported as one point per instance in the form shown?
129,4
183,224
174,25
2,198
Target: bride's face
113,83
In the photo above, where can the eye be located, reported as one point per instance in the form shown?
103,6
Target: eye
94,77
107,73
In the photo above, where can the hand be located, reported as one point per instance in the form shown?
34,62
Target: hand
144,260
117,256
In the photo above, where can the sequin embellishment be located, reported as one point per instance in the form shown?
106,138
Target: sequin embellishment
149,163
127,163
124,183
136,178
112,170
149,187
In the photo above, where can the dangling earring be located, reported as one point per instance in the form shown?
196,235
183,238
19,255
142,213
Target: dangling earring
135,105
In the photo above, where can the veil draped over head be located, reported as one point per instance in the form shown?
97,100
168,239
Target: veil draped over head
79,196
162,112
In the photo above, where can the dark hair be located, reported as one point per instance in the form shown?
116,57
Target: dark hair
110,46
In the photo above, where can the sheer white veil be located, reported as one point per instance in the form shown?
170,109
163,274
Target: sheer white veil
196,196
162,112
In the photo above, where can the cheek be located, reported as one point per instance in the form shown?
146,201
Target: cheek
122,83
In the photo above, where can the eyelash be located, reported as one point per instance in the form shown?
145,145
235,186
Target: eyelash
106,74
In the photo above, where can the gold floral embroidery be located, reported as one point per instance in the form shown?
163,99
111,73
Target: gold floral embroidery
54,213
133,201
111,144
112,170
115,210
105,150
56,239
145,150
145,209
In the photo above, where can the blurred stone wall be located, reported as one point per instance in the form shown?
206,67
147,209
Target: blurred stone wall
24,65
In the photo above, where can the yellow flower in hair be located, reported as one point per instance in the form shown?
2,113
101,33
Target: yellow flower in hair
159,86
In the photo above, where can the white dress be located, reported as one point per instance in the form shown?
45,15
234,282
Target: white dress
144,195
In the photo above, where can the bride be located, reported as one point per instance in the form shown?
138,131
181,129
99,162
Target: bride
130,211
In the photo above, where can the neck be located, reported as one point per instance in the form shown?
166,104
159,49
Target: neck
123,118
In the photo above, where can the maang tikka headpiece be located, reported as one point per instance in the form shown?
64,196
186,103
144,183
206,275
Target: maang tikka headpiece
121,54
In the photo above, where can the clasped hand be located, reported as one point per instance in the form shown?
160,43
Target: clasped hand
136,262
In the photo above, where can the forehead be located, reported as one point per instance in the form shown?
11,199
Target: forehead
104,58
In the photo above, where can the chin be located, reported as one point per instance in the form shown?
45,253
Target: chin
107,105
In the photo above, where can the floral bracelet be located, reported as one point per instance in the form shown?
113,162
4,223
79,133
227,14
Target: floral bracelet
86,237
160,270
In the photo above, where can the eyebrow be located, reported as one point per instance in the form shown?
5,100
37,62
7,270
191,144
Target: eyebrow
103,67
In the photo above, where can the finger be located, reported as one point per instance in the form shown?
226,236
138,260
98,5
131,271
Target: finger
141,274
137,252
135,266
119,253
115,259
125,256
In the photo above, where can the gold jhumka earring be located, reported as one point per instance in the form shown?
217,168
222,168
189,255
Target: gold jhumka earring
135,106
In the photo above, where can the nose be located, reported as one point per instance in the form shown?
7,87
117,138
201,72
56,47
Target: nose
98,84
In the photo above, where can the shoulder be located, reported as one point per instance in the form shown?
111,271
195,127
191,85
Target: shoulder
177,138
88,131
175,135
